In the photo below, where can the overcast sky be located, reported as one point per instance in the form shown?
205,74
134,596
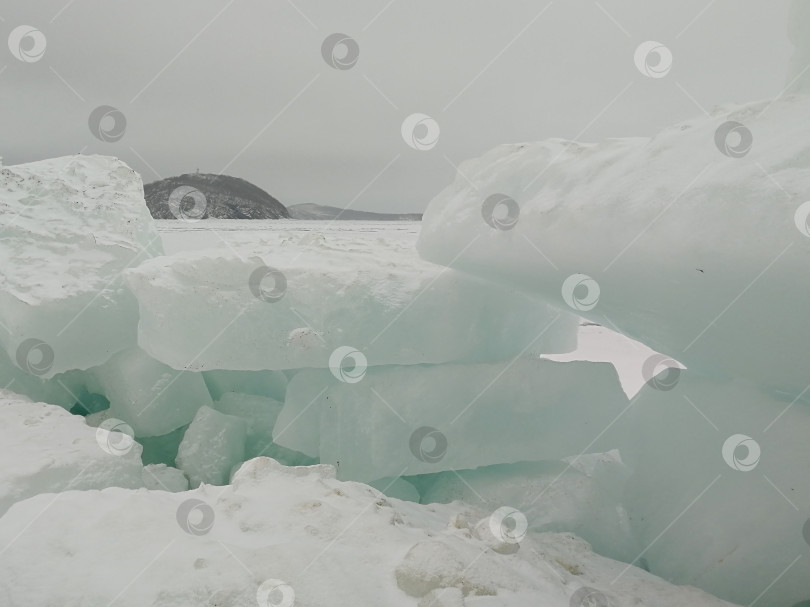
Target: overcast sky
241,86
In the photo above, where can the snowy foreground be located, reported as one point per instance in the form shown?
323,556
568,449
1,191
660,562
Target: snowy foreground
301,413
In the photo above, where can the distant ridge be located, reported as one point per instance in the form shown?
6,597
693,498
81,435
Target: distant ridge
225,198
319,211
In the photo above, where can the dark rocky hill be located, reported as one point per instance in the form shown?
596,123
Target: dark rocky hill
225,197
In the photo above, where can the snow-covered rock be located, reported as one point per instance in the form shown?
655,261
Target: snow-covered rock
70,226
294,304
315,540
695,242
45,449
418,419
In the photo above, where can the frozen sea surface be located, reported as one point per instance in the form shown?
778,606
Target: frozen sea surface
215,233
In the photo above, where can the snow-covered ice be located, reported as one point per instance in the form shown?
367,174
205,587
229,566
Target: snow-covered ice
290,300
222,545
585,498
70,226
45,449
489,432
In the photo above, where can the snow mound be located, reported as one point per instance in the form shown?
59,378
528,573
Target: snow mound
584,498
287,536
294,304
73,224
695,242
45,449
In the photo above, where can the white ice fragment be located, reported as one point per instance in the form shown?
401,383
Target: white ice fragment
259,413
407,420
213,444
151,397
722,467
69,227
294,305
690,236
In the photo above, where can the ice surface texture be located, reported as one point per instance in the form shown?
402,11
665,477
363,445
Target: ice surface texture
406,420
294,304
213,444
222,545
71,225
720,493
690,241
152,398
695,242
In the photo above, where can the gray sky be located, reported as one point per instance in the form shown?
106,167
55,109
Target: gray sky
241,86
